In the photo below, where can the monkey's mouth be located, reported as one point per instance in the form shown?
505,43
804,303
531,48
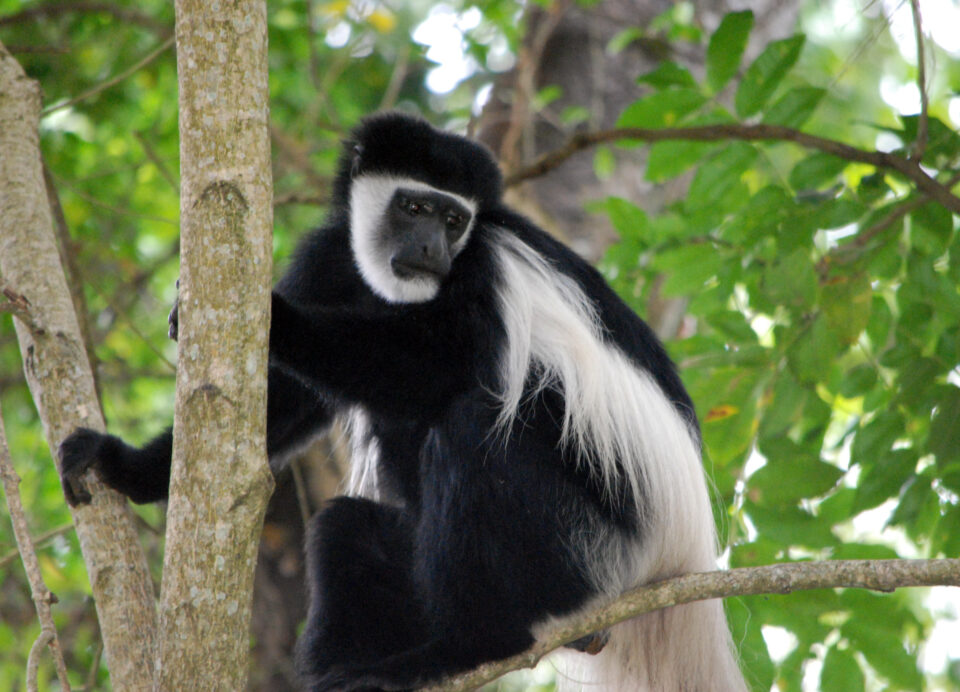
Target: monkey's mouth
406,269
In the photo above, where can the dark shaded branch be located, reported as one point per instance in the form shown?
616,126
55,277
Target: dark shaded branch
879,575
305,198
128,15
908,168
920,146
863,238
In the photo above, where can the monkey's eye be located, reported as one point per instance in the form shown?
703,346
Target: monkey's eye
408,205
454,221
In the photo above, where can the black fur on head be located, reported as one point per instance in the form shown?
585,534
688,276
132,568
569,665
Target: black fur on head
407,146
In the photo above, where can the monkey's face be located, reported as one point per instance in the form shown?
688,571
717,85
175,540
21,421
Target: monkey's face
405,235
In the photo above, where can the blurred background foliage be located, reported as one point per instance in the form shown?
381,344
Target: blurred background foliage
811,301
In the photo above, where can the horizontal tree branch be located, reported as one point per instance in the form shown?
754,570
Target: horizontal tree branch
124,14
879,575
908,168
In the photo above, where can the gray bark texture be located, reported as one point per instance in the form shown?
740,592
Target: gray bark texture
220,480
61,383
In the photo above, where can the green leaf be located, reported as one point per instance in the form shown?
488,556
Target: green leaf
946,536
846,302
727,403
623,39
858,380
629,220
881,319
786,407
604,163
668,74
931,229
813,352
765,74
943,142
760,218
720,175
726,48
864,551
875,439
885,652
546,96
884,478
791,281
795,107
916,381
841,672
687,267
944,440
573,115
790,480
661,109
790,525
669,159
747,630
913,498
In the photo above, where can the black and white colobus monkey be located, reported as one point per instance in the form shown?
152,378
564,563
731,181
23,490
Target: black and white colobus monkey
522,445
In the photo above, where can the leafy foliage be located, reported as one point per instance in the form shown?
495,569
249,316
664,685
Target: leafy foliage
824,353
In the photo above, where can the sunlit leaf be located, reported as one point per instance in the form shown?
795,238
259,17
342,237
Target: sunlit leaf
726,48
765,74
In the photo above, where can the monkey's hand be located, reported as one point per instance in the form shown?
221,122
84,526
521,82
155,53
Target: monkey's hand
78,453
173,319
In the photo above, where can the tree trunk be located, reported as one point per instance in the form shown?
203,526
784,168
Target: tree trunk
60,380
219,481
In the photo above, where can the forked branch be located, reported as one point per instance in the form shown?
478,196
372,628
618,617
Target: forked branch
908,168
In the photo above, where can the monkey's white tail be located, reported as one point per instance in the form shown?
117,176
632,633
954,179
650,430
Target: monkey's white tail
684,648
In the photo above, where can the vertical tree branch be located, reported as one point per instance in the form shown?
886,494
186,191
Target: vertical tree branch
42,598
920,145
527,63
60,380
219,480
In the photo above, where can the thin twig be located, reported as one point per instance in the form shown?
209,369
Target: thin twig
300,486
119,211
880,575
397,78
157,161
42,597
526,70
863,237
91,681
103,86
38,542
36,50
127,15
920,145
760,132
297,197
